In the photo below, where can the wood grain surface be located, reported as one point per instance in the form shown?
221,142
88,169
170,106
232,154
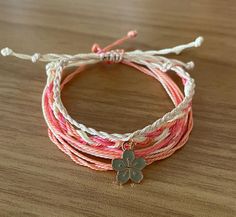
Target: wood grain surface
37,180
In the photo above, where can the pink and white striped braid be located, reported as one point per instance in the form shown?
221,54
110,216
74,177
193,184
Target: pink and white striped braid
89,147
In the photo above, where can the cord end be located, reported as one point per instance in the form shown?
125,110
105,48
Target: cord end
132,34
198,42
6,51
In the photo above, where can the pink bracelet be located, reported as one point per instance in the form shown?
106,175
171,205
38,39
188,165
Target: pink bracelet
128,153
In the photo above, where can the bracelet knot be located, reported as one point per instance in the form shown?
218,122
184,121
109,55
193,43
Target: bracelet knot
35,57
166,66
113,56
6,51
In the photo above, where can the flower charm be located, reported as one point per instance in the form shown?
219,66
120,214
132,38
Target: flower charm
128,167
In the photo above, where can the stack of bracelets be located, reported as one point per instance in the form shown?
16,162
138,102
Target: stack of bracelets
127,153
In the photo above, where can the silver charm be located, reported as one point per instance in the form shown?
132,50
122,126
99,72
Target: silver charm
128,167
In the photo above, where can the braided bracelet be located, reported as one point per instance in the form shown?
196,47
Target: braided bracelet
126,153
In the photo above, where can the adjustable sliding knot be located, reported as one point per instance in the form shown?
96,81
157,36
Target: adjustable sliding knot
113,56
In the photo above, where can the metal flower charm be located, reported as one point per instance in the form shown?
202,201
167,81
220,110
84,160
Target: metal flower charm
128,167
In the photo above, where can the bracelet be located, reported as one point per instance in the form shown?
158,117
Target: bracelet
127,153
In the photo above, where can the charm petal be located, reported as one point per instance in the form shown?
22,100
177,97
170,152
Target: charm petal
123,176
139,163
128,156
118,164
136,175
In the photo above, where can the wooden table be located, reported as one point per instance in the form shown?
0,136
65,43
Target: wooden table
38,180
